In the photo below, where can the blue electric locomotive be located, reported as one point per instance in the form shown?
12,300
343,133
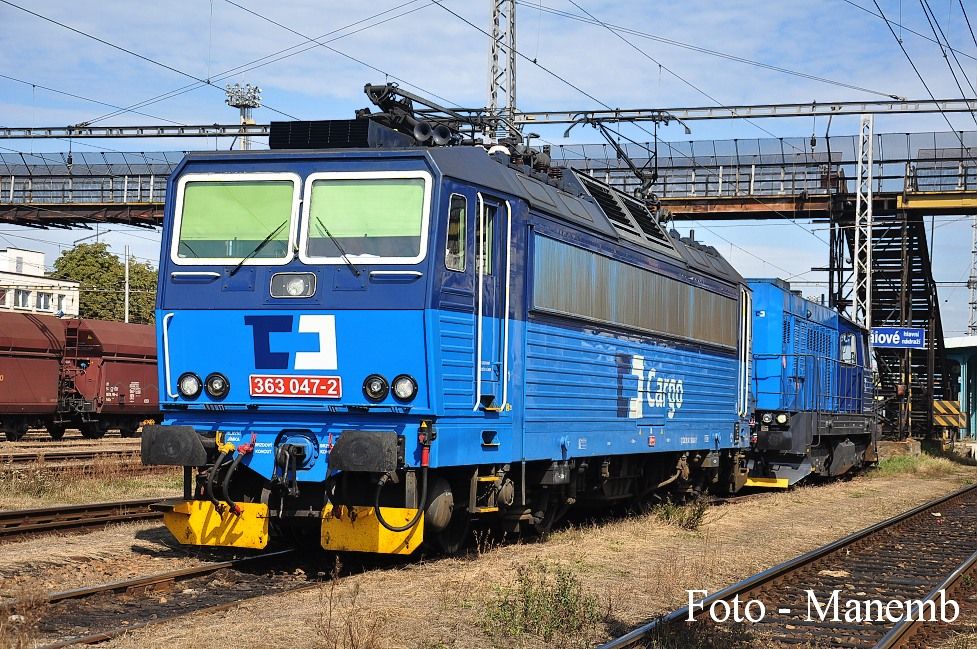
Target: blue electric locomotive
381,343
813,386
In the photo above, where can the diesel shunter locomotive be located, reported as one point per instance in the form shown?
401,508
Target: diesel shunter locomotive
381,343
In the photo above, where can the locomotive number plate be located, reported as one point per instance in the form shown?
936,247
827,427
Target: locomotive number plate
326,387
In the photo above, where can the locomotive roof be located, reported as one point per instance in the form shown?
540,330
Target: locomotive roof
577,197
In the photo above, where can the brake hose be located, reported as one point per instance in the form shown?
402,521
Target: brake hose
417,514
424,438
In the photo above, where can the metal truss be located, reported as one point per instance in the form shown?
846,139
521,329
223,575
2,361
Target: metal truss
862,257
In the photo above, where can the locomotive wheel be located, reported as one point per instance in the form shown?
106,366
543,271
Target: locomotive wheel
55,431
15,434
454,537
92,430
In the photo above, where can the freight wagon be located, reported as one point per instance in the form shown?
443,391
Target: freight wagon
86,374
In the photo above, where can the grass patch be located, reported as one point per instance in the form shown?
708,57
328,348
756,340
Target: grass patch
546,602
104,479
689,516
924,465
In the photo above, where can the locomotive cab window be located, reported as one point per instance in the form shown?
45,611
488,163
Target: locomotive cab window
454,252
849,355
370,217
226,218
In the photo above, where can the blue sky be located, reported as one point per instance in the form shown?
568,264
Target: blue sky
432,52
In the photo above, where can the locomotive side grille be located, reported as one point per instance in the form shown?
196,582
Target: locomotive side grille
646,221
605,198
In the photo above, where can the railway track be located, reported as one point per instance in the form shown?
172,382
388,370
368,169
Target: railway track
912,556
94,614
60,456
48,520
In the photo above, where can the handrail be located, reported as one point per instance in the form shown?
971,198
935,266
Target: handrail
480,262
166,354
505,324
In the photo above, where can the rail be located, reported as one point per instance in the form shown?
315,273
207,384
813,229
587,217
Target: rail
61,457
871,559
73,517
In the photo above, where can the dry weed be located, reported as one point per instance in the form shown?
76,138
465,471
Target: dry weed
342,622
548,602
20,617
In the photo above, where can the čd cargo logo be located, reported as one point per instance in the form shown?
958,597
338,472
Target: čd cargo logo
277,341
653,391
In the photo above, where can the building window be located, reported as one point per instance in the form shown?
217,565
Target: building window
44,301
60,308
22,298
18,264
3,297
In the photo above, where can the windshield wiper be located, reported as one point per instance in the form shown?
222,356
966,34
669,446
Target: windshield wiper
257,248
356,271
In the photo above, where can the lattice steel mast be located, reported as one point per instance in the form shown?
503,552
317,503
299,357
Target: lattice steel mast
502,79
862,261
972,279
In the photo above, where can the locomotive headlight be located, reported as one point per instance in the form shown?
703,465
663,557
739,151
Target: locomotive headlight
189,385
782,418
375,388
296,286
404,387
767,418
217,385
290,285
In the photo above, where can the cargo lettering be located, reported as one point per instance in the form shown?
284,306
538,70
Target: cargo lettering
653,390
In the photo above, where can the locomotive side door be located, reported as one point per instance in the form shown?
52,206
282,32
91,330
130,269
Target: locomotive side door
493,233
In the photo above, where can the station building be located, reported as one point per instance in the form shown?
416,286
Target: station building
26,288
963,351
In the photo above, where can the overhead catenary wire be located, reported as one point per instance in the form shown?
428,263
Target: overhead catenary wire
286,53
142,57
928,11
967,19
705,50
688,83
570,84
920,76
901,26
83,98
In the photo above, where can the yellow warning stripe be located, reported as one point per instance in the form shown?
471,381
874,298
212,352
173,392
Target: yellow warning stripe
769,483
947,407
950,421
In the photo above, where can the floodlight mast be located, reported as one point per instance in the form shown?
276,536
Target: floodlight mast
245,98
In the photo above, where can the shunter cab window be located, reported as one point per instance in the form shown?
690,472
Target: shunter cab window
848,353
233,219
454,254
364,217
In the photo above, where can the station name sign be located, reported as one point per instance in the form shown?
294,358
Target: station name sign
899,337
